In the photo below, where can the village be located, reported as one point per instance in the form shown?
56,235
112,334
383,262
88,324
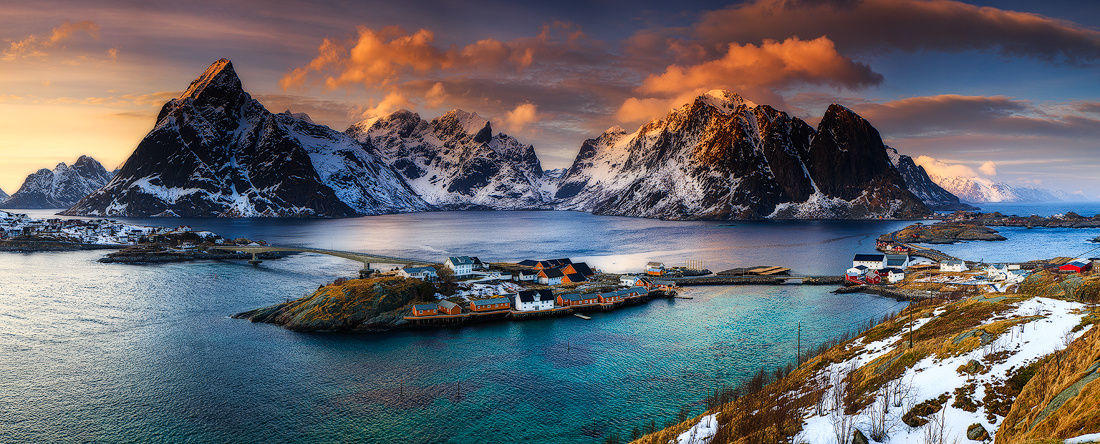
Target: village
915,270
530,289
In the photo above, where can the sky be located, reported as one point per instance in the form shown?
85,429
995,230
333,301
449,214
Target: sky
1008,91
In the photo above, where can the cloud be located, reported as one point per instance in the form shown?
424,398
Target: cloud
379,57
939,168
907,25
436,95
988,168
758,71
952,114
37,45
521,116
772,64
392,102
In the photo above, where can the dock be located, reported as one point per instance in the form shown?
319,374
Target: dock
587,318
758,280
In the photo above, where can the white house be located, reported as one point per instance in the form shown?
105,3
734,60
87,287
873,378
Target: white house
997,272
533,300
953,266
460,265
628,281
550,276
525,276
894,275
871,261
896,261
427,274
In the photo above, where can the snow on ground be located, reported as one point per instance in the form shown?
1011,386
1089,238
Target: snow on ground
932,376
1091,437
700,433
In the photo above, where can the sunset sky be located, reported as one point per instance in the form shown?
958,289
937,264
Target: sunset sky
1004,90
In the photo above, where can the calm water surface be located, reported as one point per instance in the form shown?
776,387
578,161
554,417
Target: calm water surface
109,352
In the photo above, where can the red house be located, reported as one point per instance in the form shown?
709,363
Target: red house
492,304
1076,266
425,310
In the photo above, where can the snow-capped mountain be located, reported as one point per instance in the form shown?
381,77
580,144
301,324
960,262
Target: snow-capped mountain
723,157
3,195
984,190
217,152
61,187
921,185
456,162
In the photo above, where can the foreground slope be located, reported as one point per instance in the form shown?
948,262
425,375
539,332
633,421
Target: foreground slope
456,162
937,372
216,152
722,157
59,188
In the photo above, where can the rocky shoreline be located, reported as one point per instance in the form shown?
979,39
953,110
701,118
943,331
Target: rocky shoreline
943,233
166,256
43,245
997,219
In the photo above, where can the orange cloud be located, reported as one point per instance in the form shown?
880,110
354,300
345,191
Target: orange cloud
523,115
377,58
37,45
909,25
392,102
771,64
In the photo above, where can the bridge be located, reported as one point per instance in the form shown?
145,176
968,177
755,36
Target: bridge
365,258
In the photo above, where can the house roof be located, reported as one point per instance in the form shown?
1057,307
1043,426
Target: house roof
461,260
447,304
868,257
490,301
416,270
576,277
896,260
583,268
528,263
551,273
576,297
535,295
654,264
425,307
893,270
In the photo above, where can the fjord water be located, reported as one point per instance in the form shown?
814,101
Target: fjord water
110,352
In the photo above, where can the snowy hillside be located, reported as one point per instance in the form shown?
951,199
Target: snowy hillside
722,157
455,161
61,187
216,152
921,185
982,190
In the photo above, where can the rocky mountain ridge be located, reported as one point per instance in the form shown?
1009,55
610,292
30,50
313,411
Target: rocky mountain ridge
456,162
217,152
722,157
60,187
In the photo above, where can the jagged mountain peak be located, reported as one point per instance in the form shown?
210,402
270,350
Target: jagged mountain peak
60,187
219,77
724,100
461,123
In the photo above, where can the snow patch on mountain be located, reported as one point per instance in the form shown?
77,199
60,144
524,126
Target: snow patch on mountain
61,187
456,162
217,152
723,157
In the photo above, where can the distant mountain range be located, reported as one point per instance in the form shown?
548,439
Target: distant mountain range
983,190
59,188
216,152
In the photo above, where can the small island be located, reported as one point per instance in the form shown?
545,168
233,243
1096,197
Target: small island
943,233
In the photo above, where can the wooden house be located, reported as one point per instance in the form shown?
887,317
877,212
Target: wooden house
425,310
491,304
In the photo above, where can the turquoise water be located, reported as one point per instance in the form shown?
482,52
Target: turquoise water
107,352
